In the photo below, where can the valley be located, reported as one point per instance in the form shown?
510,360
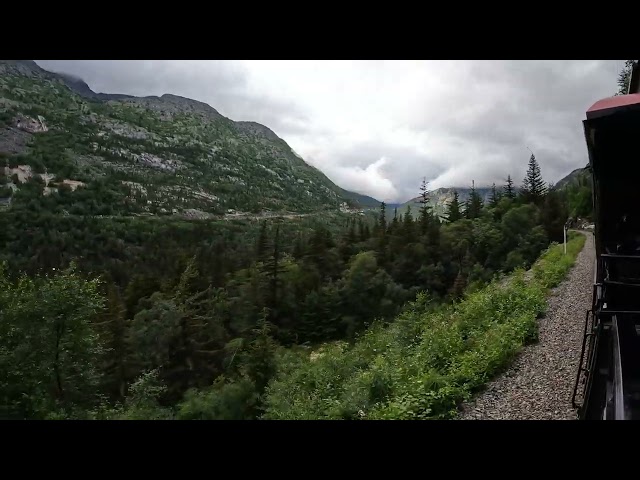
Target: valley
161,261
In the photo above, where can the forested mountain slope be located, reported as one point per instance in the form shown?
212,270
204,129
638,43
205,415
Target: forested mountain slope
158,155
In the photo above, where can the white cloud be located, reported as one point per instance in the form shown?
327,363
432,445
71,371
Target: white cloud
370,180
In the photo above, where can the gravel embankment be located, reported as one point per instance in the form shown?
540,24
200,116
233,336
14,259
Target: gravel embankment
539,384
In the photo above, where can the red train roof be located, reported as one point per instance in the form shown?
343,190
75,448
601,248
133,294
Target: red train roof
610,105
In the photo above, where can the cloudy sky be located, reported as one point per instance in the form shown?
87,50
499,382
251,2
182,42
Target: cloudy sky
378,127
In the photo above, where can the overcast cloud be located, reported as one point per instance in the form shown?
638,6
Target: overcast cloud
378,127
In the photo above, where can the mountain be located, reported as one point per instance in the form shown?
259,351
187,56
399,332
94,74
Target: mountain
80,87
364,201
166,154
572,178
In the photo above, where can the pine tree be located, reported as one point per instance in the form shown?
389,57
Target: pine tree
459,284
495,196
362,234
533,187
262,244
258,358
462,279
382,221
624,77
320,243
474,204
352,238
298,248
509,191
113,329
407,214
453,209
433,236
274,270
554,214
383,239
408,226
187,285
347,242
395,222
425,208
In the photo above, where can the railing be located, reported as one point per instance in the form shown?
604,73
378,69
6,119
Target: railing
584,371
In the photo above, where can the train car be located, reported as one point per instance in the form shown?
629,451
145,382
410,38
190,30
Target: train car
608,381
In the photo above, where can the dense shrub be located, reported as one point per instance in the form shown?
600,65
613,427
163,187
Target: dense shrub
428,361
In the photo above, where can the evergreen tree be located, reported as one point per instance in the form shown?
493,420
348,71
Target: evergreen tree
533,187
298,248
382,220
274,269
320,244
352,238
262,244
554,214
258,358
495,196
453,209
474,204
187,284
113,329
425,208
395,222
509,191
624,77
383,240
433,238
459,284
407,214
408,226
362,234
348,242
181,333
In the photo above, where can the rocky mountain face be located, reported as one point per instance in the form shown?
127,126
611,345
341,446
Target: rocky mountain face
573,178
168,154
364,201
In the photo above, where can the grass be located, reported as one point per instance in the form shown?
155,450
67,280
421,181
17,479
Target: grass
428,361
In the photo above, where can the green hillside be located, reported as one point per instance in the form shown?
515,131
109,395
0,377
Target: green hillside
159,155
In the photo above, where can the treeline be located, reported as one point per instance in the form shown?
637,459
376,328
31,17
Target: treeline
182,306
425,363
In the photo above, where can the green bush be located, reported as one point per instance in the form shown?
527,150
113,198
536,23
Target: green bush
426,362
234,400
141,402
553,265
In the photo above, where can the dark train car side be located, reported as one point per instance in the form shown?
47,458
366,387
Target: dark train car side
608,381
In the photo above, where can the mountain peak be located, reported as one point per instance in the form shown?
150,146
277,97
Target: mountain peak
257,128
27,63
169,104
169,97
21,67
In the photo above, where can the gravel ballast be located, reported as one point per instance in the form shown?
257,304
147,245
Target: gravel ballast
539,384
